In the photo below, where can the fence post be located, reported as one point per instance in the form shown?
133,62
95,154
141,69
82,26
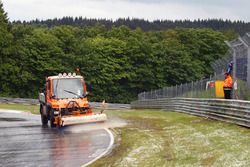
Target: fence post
248,68
166,91
201,87
248,59
192,89
176,90
234,61
181,90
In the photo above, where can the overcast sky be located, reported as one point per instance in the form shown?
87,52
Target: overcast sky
113,9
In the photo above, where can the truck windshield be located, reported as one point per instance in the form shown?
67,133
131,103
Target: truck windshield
67,88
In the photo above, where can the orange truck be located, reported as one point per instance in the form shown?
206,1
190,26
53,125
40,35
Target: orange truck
63,101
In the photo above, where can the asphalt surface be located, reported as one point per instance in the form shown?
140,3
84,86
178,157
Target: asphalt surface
24,142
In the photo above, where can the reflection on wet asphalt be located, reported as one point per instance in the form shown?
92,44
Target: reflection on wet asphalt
24,142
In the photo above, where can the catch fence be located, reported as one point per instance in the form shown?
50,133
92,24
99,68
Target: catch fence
238,53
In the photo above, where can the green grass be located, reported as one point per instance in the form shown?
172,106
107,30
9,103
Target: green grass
157,138
34,109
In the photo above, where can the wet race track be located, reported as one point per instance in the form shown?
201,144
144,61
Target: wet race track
24,142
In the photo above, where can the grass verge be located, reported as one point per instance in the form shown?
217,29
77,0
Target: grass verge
157,138
34,109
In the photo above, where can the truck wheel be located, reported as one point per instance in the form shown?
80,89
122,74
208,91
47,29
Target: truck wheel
44,118
52,119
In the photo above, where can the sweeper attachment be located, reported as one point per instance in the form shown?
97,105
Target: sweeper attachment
63,101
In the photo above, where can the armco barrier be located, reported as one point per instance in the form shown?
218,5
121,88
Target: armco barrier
233,111
8,100
36,102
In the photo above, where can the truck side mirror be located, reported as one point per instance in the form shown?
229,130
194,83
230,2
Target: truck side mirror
89,87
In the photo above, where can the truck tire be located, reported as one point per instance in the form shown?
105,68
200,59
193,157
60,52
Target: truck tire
44,118
52,119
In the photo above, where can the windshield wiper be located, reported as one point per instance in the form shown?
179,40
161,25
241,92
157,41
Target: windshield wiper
73,93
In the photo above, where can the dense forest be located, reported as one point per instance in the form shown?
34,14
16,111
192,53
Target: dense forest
238,27
118,62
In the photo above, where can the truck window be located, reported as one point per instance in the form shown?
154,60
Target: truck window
67,88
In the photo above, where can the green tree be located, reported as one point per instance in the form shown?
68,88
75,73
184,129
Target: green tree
5,35
203,45
5,49
37,55
119,62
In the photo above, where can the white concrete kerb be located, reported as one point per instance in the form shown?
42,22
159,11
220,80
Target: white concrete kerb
106,151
